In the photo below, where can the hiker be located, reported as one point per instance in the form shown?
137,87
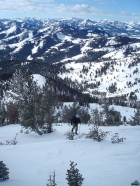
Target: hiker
74,121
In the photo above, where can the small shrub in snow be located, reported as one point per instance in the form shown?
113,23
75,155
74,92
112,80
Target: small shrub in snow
10,142
74,178
69,135
45,129
52,180
97,134
124,119
26,130
115,138
135,182
4,173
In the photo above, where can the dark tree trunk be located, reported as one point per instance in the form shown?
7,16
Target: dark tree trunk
37,130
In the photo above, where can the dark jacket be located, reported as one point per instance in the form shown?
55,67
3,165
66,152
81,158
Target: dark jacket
75,120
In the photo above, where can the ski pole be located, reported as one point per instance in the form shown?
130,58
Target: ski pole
79,128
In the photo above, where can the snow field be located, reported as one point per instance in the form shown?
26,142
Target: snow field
35,157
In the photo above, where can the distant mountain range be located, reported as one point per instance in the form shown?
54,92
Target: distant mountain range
93,56
56,40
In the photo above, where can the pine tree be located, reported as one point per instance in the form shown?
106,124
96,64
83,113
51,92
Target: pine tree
4,173
29,102
48,104
68,111
74,178
136,117
111,116
106,110
115,117
2,112
96,118
35,103
12,112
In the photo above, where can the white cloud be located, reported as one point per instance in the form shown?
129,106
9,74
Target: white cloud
59,10
86,10
77,9
124,14
23,5
83,9
98,1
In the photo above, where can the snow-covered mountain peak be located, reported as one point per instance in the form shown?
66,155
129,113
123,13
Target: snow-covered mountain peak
103,51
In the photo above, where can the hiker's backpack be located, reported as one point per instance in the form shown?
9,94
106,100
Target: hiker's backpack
73,119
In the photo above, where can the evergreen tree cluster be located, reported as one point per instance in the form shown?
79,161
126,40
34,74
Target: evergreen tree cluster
35,104
135,120
74,178
4,171
68,111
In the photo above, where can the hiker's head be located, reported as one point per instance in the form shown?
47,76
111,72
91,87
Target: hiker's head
77,116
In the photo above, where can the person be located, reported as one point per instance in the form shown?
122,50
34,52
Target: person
74,122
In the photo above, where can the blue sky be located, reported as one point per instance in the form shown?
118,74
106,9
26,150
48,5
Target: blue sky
119,10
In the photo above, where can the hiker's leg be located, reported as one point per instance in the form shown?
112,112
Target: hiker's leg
73,127
76,128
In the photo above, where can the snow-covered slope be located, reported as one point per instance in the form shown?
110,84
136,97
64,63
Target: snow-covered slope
117,77
34,157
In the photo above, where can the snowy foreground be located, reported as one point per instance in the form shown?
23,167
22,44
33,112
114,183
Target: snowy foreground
35,157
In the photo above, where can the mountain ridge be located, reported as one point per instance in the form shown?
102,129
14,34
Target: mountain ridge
94,56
